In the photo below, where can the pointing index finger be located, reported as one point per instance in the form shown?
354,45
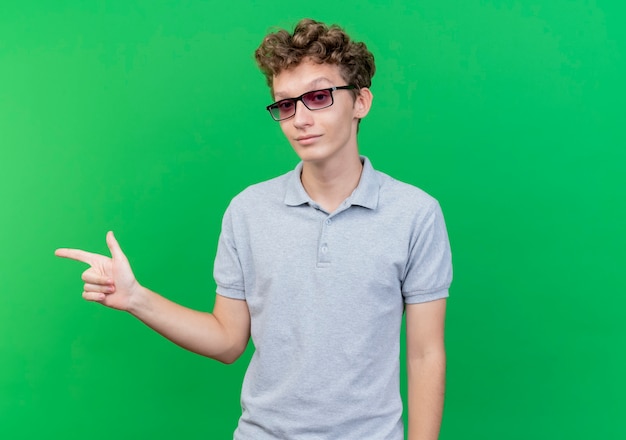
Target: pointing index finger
76,254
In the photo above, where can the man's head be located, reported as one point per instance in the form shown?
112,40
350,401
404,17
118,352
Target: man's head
314,41
320,80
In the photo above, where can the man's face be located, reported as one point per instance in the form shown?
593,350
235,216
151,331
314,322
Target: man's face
325,134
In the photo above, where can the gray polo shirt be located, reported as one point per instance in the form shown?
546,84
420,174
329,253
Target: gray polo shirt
326,293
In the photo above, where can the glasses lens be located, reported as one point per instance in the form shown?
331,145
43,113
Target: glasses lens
283,109
318,99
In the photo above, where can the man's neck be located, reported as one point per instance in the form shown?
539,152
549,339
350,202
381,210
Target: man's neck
330,183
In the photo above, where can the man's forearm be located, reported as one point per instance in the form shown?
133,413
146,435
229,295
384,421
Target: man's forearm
426,379
199,332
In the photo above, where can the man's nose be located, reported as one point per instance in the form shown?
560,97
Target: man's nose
303,114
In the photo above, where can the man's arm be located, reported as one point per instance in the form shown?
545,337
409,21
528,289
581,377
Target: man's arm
221,335
426,368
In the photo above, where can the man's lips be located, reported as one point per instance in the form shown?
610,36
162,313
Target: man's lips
308,139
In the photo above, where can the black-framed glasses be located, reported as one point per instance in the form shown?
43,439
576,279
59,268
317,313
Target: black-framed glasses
313,100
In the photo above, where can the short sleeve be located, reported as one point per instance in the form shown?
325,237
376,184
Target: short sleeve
428,273
227,269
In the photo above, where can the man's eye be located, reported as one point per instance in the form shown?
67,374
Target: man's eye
284,105
320,96
318,99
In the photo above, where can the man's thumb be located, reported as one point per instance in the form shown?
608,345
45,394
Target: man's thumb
114,247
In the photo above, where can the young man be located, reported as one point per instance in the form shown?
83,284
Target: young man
318,266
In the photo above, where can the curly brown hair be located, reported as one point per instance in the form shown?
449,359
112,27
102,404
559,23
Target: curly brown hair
314,40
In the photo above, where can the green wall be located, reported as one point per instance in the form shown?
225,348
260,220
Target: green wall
146,117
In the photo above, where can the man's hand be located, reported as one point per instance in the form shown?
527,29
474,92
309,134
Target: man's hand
109,281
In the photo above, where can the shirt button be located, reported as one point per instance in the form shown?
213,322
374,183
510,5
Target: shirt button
324,249
328,221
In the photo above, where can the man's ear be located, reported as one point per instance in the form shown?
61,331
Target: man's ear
363,103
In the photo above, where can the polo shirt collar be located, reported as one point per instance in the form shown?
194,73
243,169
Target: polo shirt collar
365,194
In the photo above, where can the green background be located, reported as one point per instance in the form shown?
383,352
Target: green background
147,117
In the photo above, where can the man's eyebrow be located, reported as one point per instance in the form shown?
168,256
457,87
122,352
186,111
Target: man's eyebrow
311,86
